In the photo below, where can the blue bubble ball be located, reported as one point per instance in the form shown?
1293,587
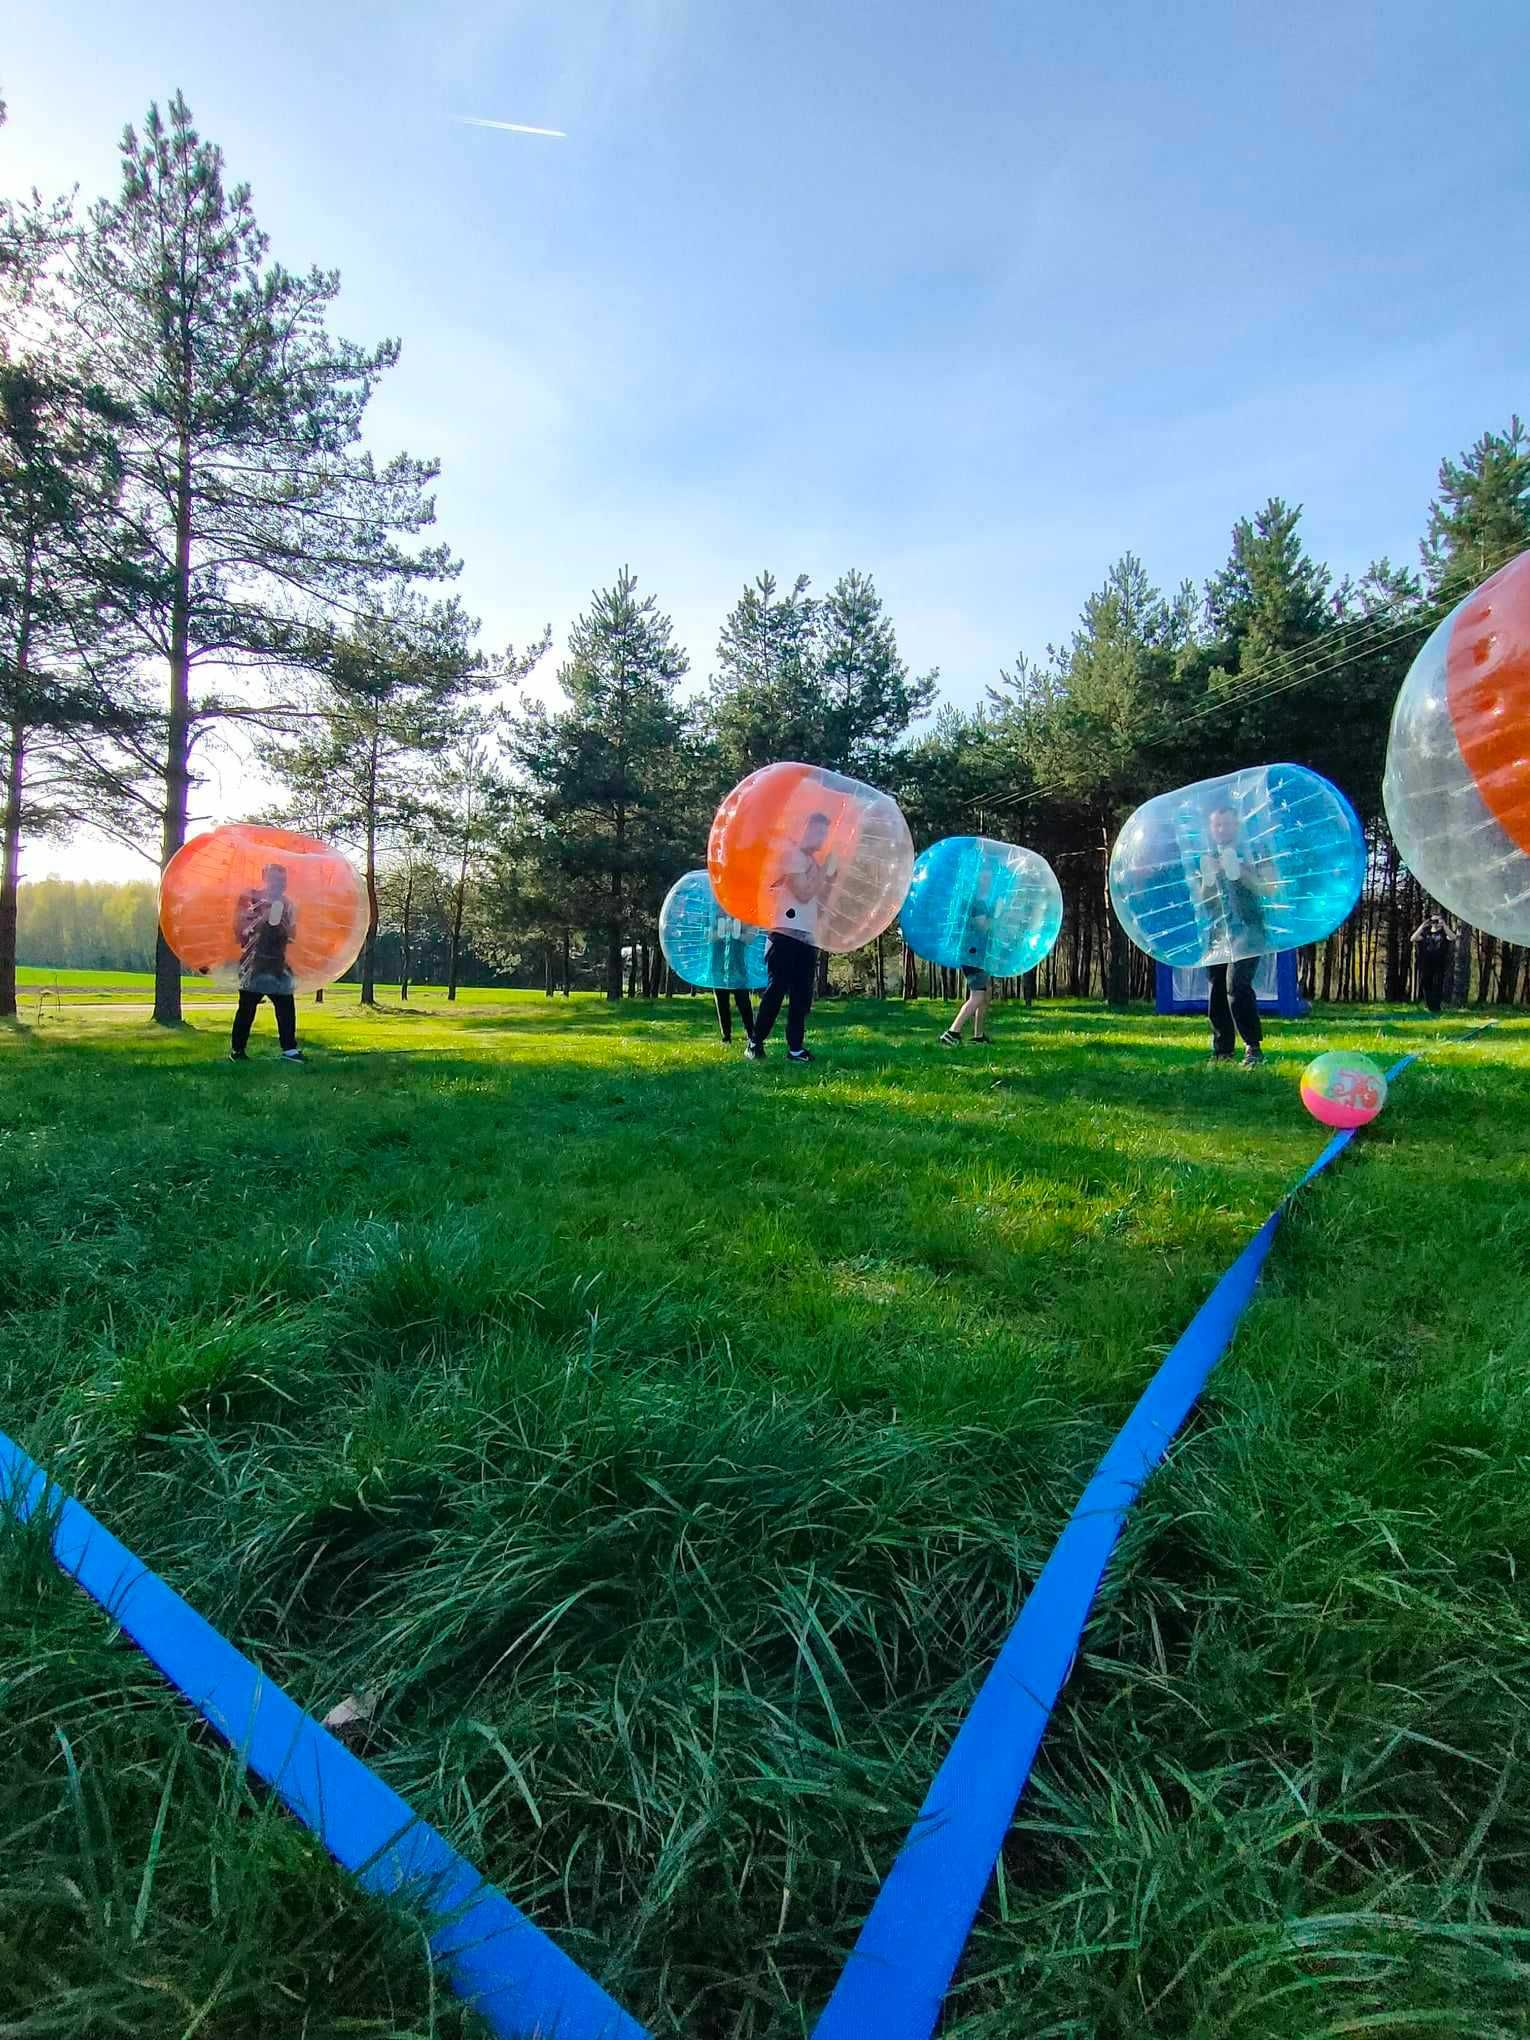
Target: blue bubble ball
1255,861
704,945
982,905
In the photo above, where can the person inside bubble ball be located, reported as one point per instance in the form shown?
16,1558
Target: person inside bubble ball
1233,890
791,961
265,922
726,933
979,984
1433,940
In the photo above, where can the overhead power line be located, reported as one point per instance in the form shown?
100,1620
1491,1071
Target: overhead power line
1295,668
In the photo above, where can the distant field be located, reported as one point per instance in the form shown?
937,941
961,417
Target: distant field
666,1443
80,985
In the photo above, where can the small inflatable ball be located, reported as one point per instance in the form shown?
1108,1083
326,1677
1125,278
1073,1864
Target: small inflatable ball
704,945
1457,785
264,910
806,852
989,906
1256,861
1343,1089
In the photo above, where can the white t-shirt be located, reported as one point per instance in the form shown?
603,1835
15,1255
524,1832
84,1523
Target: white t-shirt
800,917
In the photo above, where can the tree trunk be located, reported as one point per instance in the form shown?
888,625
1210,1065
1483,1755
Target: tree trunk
369,947
547,968
10,868
408,916
566,947
167,968
455,957
1487,950
1461,975
1395,981
1509,962
614,924
910,974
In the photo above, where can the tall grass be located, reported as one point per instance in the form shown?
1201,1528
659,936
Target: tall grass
660,1446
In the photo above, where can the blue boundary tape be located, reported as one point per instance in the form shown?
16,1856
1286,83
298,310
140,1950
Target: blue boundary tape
518,1981
895,1982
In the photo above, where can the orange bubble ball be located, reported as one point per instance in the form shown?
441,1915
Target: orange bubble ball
213,890
1487,687
789,829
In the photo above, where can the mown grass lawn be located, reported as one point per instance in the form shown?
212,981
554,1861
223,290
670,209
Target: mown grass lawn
666,1444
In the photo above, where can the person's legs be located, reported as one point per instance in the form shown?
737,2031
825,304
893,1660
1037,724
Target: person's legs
244,1020
1433,972
969,1011
777,978
800,994
724,1013
1218,1011
745,1011
979,1002
284,1006
1245,1007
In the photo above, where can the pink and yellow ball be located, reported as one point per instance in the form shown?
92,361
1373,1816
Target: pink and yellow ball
1343,1089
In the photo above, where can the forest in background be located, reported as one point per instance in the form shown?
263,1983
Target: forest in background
198,549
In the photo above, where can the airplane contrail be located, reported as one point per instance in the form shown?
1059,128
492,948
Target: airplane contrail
511,127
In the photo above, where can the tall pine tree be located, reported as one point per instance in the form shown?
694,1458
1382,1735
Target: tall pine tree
1481,516
399,689
601,770
870,698
66,582
766,699
245,482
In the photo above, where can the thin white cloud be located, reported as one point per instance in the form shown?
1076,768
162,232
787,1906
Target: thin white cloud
510,127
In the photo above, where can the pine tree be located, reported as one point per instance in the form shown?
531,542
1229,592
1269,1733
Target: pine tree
1271,596
870,698
601,771
398,686
245,482
1481,517
1110,724
471,799
766,700
66,583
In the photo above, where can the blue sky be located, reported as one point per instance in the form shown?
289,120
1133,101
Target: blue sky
972,297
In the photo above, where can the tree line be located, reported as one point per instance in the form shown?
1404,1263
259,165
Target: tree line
198,548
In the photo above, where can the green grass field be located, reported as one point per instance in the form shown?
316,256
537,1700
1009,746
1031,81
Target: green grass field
665,1445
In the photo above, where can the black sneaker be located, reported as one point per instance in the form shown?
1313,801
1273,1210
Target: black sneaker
1222,1055
799,1055
237,1055
753,1052
1253,1058
982,1041
950,1039
293,1055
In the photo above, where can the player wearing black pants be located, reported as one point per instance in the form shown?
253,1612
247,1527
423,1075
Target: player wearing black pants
1432,939
1232,1008
265,922
283,1005
791,967
725,1004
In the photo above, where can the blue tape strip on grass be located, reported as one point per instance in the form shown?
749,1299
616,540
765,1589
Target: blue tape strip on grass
521,1984
906,1953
